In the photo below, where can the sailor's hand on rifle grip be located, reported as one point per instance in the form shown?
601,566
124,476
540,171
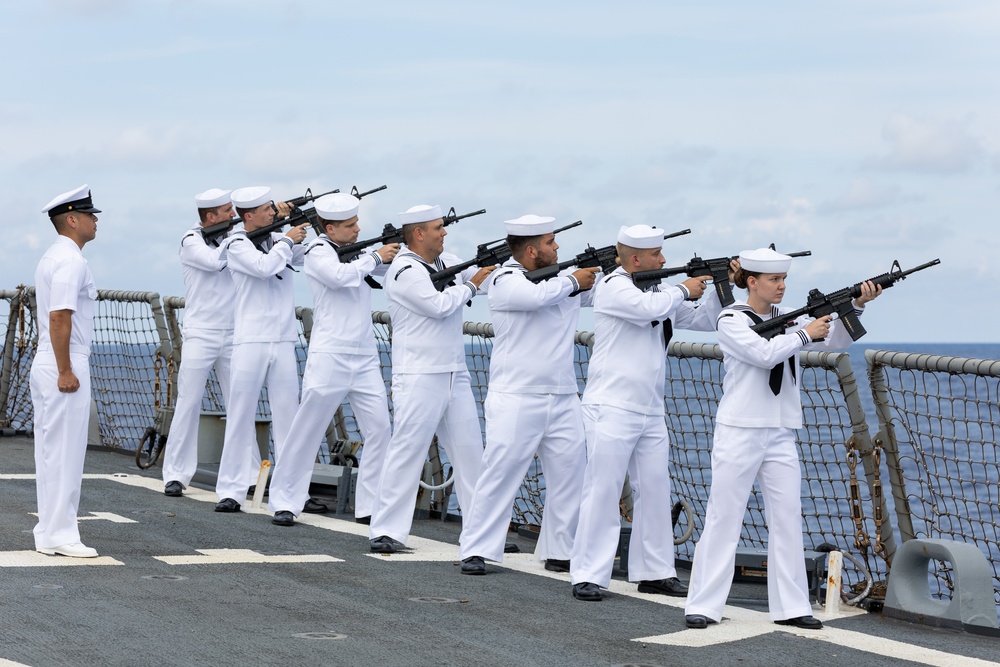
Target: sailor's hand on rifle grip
869,292
283,208
388,252
819,329
481,275
734,266
298,234
586,277
696,286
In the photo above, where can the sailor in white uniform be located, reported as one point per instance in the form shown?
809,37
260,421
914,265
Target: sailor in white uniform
264,339
755,439
624,419
431,389
532,404
342,362
60,373
209,295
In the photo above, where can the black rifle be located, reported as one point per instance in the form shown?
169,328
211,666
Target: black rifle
213,232
605,257
297,217
308,197
451,217
319,226
840,302
390,234
718,268
487,254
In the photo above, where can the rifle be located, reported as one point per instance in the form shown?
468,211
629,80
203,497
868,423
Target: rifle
451,217
605,257
487,254
320,227
839,302
297,217
718,268
308,197
390,234
213,232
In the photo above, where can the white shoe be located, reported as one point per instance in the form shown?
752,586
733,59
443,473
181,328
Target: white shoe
75,550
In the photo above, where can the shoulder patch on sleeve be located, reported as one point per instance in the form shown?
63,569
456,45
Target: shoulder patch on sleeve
408,266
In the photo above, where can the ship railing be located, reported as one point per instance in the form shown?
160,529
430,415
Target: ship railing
934,445
938,421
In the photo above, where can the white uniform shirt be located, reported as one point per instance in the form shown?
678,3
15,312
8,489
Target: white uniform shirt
627,369
342,300
265,299
747,399
533,326
426,324
63,282
209,291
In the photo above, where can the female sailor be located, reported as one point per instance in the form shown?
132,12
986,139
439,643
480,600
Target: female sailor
755,439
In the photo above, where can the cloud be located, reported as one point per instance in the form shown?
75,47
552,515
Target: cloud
928,146
776,220
862,194
273,159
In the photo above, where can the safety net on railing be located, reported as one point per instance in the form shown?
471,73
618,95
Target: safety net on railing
17,321
939,417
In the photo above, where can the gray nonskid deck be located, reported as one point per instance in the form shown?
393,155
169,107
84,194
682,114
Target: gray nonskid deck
346,607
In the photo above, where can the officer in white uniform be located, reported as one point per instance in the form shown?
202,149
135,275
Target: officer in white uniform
431,389
60,373
342,362
532,404
209,295
755,439
624,419
263,341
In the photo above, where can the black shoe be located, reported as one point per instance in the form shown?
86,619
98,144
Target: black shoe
382,545
473,565
511,548
697,621
556,565
173,489
587,592
227,505
315,507
283,518
367,520
805,622
672,587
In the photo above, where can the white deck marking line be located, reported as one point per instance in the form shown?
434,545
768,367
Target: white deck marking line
230,556
11,663
739,624
35,559
100,516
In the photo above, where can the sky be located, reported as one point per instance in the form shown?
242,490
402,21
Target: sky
863,131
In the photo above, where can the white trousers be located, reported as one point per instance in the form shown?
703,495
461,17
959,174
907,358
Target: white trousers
740,455
253,363
60,423
517,426
327,381
203,349
439,403
619,441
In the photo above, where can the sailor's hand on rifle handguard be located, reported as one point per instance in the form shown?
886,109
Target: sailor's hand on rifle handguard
819,328
696,286
298,234
282,209
869,292
734,266
481,275
388,252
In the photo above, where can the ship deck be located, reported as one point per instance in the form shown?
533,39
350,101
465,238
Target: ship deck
178,584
